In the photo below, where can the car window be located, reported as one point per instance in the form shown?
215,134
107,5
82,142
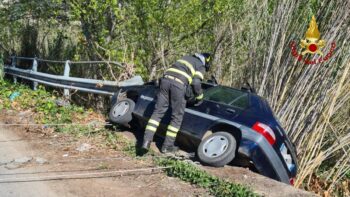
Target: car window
227,96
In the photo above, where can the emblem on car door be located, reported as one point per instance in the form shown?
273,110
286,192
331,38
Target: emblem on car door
147,98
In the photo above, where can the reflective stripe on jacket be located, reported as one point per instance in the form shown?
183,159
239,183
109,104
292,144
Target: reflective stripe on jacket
190,70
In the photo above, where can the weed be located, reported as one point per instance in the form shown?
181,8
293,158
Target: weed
103,166
44,105
134,151
189,173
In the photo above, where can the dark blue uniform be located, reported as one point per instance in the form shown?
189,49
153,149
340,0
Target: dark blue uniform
189,70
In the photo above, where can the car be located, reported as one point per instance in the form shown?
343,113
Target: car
230,125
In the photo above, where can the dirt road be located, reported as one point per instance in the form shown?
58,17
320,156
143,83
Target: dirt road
27,158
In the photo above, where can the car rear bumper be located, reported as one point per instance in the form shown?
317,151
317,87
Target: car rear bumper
266,160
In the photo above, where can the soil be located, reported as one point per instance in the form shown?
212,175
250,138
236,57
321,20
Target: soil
57,156
258,183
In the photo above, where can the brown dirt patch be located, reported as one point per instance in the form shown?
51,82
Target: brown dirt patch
60,152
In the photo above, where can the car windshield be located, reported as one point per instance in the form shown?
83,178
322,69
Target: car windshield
227,96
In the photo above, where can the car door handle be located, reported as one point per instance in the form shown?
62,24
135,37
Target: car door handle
231,111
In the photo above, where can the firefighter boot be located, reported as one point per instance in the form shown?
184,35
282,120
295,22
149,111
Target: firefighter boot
169,146
146,144
147,140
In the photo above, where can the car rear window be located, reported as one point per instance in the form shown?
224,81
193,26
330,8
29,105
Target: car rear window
227,96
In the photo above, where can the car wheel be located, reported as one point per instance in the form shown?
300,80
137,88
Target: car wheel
121,112
217,149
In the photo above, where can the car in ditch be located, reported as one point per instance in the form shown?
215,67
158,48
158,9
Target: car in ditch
230,125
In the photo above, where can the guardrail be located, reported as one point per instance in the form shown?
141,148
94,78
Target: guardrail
65,81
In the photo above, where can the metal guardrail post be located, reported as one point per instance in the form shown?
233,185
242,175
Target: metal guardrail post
13,64
35,69
66,74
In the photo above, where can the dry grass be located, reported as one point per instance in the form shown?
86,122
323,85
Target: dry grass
311,101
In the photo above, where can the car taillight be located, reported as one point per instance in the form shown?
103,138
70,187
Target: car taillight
266,131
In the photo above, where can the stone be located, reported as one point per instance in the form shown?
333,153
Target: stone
12,166
24,113
5,161
23,160
40,160
83,147
62,103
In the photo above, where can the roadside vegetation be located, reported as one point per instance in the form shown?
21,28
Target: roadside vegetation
192,174
47,113
41,102
250,41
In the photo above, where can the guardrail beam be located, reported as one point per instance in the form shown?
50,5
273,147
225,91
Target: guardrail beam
65,81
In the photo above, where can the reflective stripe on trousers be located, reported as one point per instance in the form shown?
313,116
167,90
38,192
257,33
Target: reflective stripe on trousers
176,102
172,131
152,125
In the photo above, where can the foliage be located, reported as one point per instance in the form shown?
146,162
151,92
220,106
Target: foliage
250,42
46,111
194,175
41,102
147,34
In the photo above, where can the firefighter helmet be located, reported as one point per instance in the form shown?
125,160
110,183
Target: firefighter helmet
205,58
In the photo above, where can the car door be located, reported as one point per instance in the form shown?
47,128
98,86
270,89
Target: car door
219,103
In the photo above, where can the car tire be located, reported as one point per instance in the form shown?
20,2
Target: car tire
217,149
121,112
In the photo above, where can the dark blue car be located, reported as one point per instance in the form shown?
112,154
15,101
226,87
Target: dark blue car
230,125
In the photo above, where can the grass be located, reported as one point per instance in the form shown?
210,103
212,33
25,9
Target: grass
45,110
41,102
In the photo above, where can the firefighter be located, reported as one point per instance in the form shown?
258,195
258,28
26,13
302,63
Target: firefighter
187,71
